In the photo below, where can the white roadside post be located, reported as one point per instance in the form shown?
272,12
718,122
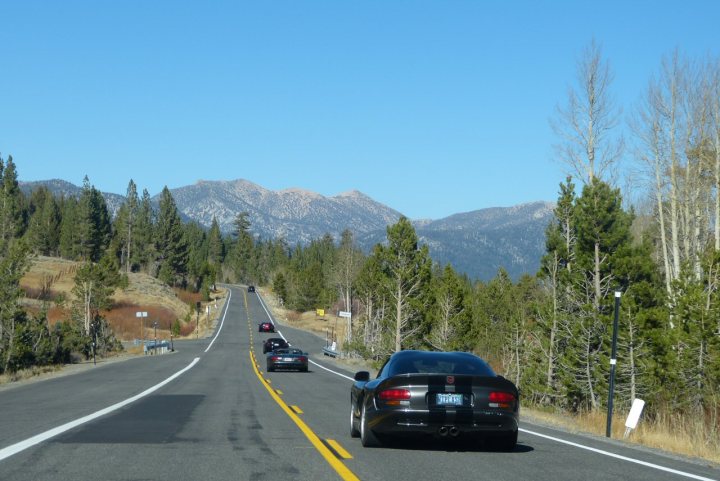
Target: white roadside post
142,315
634,416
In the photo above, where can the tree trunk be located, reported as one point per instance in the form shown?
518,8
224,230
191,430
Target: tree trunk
398,317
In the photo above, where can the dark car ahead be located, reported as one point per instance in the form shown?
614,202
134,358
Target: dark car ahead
287,358
266,327
439,394
251,289
274,343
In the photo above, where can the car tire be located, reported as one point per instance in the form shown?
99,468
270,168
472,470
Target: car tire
506,441
367,437
354,430
270,369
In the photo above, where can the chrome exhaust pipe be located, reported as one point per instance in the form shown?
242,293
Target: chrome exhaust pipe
443,431
454,431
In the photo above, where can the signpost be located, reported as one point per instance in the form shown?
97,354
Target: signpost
142,315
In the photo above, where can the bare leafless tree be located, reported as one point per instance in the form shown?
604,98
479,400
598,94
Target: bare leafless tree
586,125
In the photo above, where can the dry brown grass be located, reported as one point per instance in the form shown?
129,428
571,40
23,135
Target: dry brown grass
676,434
327,327
50,277
685,435
23,374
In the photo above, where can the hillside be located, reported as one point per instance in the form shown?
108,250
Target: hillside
476,243
50,281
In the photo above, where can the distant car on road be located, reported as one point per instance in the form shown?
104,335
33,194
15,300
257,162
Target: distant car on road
251,288
274,343
287,358
266,327
438,394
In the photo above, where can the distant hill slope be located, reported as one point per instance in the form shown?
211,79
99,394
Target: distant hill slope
480,242
62,187
294,214
477,243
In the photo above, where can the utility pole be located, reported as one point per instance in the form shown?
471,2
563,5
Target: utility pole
613,362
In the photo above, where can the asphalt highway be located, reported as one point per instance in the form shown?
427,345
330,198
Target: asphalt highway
209,411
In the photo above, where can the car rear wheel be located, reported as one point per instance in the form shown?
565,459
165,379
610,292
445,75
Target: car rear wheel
354,430
270,368
367,437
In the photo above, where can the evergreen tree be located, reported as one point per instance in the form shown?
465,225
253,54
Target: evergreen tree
144,253
407,270
170,242
13,265
69,236
93,223
12,214
43,233
215,247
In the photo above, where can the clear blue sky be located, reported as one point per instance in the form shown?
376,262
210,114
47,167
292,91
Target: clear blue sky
431,107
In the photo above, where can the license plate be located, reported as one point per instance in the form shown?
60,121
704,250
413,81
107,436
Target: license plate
288,359
449,399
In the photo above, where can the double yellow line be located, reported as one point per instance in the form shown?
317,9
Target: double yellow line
339,467
326,453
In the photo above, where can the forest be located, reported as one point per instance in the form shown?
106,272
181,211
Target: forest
657,247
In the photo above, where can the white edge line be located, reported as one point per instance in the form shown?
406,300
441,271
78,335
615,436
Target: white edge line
599,451
330,370
618,456
588,448
222,322
262,303
37,439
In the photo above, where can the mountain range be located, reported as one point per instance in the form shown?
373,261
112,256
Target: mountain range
477,243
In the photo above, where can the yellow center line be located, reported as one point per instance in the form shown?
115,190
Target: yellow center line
338,466
279,392
339,449
297,409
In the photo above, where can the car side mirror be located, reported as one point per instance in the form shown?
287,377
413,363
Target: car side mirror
362,376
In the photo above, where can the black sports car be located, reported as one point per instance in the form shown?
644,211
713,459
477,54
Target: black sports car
266,327
288,358
441,394
274,343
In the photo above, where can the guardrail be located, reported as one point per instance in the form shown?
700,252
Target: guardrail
161,347
329,352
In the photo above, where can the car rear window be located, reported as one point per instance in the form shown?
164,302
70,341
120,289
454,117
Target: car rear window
442,364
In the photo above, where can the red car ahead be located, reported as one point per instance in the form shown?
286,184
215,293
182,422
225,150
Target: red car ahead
266,327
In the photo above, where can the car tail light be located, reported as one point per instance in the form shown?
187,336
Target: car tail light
394,394
501,397
303,359
275,358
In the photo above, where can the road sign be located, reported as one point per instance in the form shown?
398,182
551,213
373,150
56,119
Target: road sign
141,314
345,314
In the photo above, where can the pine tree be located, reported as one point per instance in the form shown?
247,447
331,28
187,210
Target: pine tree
43,233
407,269
69,236
12,214
215,247
170,243
13,265
93,223
144,253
